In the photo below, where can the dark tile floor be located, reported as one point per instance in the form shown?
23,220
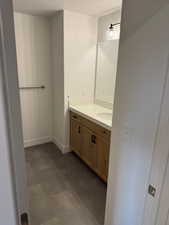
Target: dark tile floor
62,189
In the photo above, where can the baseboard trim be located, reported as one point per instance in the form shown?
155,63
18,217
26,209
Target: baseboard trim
64,149
38,141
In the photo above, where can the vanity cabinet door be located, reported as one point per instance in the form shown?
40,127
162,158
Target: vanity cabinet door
91,143
76,136
89,148
103,158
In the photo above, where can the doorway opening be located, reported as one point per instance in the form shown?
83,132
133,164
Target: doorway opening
66,83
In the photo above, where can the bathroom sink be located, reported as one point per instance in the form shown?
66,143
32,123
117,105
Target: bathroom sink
105,116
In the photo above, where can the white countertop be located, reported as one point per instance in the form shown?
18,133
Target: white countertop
96,113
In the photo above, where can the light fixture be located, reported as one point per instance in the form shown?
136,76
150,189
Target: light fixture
111,30
114,31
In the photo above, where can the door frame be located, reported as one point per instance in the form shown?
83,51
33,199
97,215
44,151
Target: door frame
8,206
159,168
162,217
12,131
11,106
159,165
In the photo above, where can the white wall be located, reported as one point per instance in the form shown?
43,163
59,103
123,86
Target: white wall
58,79
34,69
78,56
80,38
71,57
143,64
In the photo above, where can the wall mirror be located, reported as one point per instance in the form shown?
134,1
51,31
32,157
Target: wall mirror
106,67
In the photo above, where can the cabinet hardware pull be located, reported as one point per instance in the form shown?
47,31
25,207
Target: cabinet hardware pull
93,139
33,87
75,117
79,130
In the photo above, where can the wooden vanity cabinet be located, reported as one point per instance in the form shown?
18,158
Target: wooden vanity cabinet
89,148
91,143
76,136
103,158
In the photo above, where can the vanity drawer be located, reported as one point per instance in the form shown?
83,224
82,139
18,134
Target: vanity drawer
75,116
96,128
101,131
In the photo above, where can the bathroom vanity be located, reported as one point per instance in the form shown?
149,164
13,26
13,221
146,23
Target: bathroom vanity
90,136
90,124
